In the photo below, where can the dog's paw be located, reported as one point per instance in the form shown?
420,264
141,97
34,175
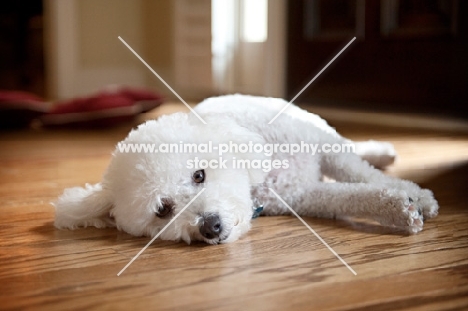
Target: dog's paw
423,199
414,217
428,204
401,211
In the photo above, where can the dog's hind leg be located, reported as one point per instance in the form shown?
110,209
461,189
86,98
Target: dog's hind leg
349,167
379,154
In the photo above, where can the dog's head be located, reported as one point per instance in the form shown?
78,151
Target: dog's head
143,190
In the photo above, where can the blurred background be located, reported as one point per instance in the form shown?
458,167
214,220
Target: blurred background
410,56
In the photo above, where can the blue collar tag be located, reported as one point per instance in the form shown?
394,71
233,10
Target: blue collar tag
256,211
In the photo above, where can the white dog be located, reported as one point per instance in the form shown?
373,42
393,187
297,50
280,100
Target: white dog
236,157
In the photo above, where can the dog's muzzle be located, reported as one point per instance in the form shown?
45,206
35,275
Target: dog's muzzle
211,227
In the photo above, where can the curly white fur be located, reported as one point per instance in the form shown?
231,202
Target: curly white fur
135,184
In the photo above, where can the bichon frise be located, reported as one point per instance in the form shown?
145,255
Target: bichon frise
237,159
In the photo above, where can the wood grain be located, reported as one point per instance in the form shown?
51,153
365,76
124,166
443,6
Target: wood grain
279,265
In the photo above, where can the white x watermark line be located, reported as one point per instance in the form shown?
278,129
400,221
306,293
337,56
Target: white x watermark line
313,231
316,76
160,232
162,80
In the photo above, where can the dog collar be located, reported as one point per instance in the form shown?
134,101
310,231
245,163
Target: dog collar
257,209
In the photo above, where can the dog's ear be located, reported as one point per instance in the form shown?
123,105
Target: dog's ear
82,207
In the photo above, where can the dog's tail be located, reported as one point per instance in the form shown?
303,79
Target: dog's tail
82,207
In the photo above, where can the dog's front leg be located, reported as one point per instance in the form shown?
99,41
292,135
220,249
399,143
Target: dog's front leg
352,169
389,206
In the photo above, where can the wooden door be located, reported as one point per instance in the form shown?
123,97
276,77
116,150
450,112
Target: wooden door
21,46
410,56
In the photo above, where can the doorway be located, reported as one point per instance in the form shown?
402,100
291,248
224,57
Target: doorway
410,56
21,46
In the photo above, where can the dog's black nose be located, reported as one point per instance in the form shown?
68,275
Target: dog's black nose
211,227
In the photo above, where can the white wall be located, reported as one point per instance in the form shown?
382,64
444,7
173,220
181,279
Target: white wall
83,53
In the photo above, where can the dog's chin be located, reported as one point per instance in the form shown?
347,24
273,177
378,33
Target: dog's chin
227,236
223,238
213,241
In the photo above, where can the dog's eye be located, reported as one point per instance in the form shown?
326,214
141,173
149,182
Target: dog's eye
199,176
166,207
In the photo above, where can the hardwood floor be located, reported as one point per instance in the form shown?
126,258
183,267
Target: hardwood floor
279,265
